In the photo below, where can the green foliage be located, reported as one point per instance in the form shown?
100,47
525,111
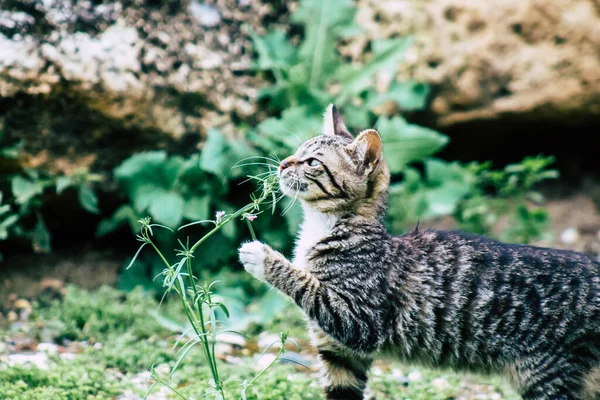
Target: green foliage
405,143
173,189
7,219
25,193
30,189
65,382
97,315
476,196
512,193
204,312
312,75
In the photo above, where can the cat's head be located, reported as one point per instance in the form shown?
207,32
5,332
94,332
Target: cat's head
335,172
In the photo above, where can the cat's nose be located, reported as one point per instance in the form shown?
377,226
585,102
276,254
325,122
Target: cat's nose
288,162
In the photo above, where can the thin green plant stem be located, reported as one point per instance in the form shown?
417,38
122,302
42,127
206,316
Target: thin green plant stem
202,297
251,229
277,357
207,353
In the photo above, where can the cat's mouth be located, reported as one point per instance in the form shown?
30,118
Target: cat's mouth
290,184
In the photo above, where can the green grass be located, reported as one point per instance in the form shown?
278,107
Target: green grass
132,341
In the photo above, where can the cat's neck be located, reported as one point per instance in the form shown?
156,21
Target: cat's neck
315,226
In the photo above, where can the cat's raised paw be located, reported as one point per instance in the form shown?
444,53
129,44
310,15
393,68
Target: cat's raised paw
252,255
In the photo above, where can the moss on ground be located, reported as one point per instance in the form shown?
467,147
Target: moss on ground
118,339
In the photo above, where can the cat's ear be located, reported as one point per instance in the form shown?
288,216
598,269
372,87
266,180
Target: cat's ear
368,150
333,124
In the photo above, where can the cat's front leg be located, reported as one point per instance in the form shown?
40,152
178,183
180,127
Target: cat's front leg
271,266
354,326
252,256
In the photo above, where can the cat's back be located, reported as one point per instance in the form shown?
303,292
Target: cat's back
473,297
482,253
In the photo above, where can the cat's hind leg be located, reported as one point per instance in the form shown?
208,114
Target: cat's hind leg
343,377
343,374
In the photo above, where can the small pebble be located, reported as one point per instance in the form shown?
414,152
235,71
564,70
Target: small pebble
68,356
205,14
440,383
232,338
268,340
569,236
40,360
414,376
264,361
49,348
222,349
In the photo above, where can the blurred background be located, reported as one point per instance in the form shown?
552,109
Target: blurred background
114,110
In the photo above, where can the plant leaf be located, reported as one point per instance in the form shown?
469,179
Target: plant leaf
215,157
24,189
88,199
197,208
62,183
355,80
167,208
324,22
410,96
404,143
141,164
273,50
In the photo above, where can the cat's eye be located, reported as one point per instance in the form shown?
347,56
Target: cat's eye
313,162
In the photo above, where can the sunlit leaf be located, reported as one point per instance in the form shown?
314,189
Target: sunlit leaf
167,208
404,143
87,199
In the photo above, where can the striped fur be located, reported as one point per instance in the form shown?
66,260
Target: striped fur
443,299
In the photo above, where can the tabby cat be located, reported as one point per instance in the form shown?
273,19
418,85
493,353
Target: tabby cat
443,299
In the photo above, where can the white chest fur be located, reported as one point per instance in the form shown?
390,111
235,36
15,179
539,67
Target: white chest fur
314,227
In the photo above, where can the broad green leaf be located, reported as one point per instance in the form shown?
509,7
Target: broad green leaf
142,193
124,214
62,183
167,208
88,199
355,80
215,157
438,172
404,143
283,135
273,50
11,151
197,208
24,190
356,117
443,200
410,96
141,164
324,22
7,223
173,167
